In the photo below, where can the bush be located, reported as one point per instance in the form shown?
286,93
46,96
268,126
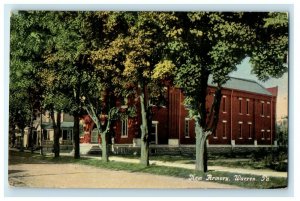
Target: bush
275,159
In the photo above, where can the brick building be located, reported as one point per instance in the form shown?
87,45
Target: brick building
246,119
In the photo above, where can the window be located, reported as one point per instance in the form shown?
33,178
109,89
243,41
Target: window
67,134
268,109
247,106
268,134
64,134
124,128
262,108
262,134
70,134
224,128
224,103
187,127
240,131
240,105
250,130
45,134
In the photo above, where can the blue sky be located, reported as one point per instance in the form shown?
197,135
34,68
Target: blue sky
244,71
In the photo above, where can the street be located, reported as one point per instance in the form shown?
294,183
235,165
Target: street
26,173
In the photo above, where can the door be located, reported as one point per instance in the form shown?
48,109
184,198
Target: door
153,133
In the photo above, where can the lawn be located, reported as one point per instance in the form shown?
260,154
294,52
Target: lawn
237,163
241,180
245,163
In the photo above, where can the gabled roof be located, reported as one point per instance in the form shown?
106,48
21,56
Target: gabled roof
243,85
273,90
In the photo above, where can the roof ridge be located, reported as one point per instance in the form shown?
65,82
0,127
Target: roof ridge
261,89
251,81
245,79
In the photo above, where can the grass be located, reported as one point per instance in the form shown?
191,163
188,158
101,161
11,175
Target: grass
236,163
245,163
273,182
172,158
216,161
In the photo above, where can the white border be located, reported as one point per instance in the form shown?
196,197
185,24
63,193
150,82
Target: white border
219,5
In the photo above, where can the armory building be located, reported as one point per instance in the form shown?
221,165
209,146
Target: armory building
247,119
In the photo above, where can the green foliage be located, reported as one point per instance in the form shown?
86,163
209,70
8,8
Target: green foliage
25,61
270,51
163,70
145,46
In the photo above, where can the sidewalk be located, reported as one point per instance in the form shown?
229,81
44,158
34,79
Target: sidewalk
263,172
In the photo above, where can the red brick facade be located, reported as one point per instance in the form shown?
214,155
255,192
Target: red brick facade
248,118
245,118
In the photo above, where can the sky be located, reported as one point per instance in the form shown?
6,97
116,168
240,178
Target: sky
244,71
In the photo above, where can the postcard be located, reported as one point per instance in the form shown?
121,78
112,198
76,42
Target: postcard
148,100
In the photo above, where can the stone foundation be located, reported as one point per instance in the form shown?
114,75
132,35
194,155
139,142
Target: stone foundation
226,150
213,150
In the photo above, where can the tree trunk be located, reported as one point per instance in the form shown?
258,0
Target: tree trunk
201,165
12,136
76,139
30,133
144,134
31,143
144,147
104,147
205,156
56,147
41,134
76,115
104,144
22,140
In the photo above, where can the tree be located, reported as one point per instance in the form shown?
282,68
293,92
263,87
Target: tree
105,75
282,132
19,112
25,62
48,50
67,53
55,102
210,44
269,54
145,45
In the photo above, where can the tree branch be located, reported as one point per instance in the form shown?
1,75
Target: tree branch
91,112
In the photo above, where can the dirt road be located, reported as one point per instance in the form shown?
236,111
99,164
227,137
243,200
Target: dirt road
81,176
